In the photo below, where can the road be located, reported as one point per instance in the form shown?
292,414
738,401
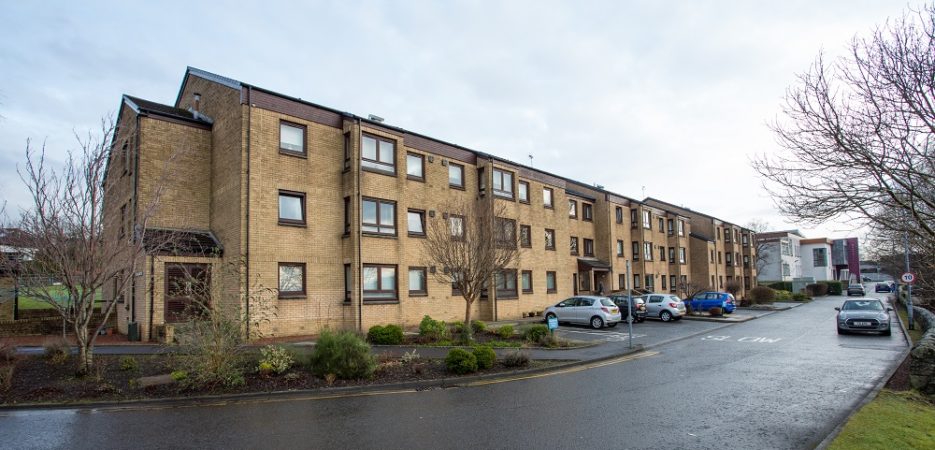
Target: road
781,381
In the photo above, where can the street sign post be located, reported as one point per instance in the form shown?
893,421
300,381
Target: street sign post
553,324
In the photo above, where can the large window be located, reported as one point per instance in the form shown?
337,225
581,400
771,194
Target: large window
415,218
291,280
379,282
525,235
291,208
455,175
549,239
648,251
378,154
572,209
456,226
505,232
588,247
646,220
587,212
681,227
526,280
378,216
547,197
502,183
649,282
681,255
523,191
505,282
672,282
573,245
291,138
417,285
820,257
550,284
415,166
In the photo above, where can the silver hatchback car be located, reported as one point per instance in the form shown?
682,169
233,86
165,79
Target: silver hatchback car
865,314
667,307
586,310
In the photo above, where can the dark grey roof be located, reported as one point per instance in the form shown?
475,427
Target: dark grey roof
700,236
579,194
182,242
146,106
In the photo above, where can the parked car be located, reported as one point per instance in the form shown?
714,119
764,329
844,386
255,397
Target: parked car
863,315
883,287
667,307
856,289
704,301
637,306
587,310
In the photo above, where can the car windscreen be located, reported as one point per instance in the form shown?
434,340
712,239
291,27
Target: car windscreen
863,306
607,302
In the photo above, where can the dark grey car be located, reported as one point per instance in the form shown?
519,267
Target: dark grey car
863,315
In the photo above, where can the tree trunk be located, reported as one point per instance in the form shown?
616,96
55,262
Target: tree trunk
85,354
467,330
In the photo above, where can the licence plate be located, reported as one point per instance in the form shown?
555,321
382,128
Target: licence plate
614,311
861,324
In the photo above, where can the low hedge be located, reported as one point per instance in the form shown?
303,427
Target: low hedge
762,294
834,287
385,335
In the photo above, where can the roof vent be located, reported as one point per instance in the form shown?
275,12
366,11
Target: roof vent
375,118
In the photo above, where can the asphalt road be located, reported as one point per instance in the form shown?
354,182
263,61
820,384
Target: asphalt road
781,381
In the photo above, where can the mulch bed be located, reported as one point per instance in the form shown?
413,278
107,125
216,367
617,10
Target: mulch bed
900,379
38,380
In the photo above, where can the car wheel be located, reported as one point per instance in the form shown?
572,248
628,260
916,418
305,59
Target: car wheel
612,325
597,323
665,316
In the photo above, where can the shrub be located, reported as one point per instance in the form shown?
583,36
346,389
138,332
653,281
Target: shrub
345,355
781,286
278,358
478,326
179,375
461,361
783,296
129,364
505,332
433,329
715,311
410,357
550,340
817,289
485,356
265,368
456,327
535,333
799,297
762,294
210,348
385,335
57,351
834,287
516,358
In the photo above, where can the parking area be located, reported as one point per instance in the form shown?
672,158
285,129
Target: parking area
648,333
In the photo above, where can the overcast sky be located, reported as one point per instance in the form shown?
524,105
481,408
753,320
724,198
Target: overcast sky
672,97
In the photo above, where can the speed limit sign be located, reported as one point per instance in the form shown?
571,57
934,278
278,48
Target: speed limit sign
908,278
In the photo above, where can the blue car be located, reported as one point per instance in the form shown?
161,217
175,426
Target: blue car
704,301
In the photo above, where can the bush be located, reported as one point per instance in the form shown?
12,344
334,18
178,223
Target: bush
344,355
762,294
551,341
456,327
535,333
516,358
834,287
461,361
179,375
781,286
715,311
265,368
433,329
505,331
800,297
129,364
410,357
6,377
817,289
57,351
278,358
783,296
478,326
485,356
385,335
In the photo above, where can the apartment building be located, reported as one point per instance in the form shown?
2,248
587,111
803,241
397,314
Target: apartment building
816,259
307,217
721,252
789,255
781,252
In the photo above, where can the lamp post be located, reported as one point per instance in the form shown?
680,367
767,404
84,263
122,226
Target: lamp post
908,285
629,308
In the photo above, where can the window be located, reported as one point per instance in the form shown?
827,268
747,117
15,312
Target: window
662,253
505,232
681,227
719,259
670,227
671,254
416,221
291,280
348,282
417,276
663,280
589,247
378,216
415,167
379,282
526,279
572,209
505,282
621,281
456,226
819,257
123,221
720,281
785,269
547,195
672,282
636,251
503,184
481,181
711,259
587,211
636,281
729,259
746,261
662,225
585,278
291,208
647,224
746,282
347,216
455,281
550,286
620,248
681,255
745,239
683,280
126,157
523,191
549,239
573,245
649,282
378,154
727,234
619,213
525,235
347,150
291,138
718,233
648,251
455,175
633,214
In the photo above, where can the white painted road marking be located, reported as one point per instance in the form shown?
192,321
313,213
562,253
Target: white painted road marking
610,336
764,340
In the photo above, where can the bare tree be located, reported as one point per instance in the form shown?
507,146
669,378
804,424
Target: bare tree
70,257
859,134
759,247
472,244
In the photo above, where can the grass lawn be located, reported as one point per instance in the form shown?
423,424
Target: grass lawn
915,334
29,302
892,420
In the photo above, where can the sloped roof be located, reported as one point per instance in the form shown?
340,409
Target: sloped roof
182,242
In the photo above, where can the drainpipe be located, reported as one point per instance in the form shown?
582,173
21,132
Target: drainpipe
136,183
360,261
246,249
152,293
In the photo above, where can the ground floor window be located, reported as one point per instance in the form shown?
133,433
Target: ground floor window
379,282
506,284
291,280
527,281
550,283
417,286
